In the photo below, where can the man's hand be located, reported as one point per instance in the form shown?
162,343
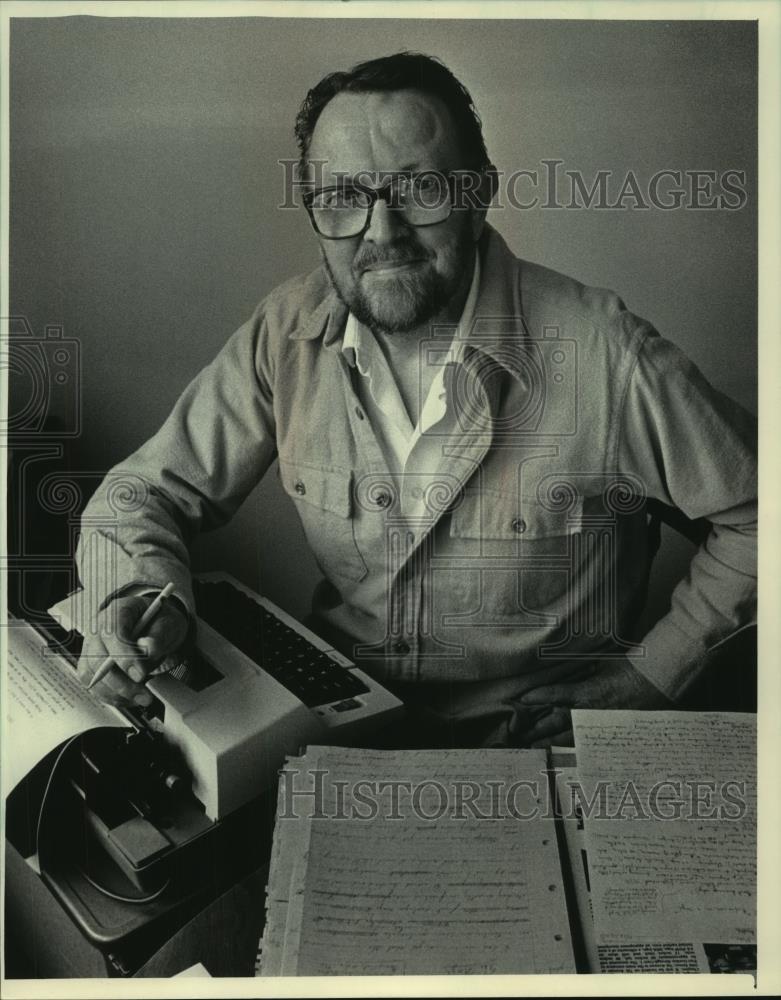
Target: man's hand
609,684
134,661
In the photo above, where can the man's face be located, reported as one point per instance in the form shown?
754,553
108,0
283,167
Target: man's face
395,276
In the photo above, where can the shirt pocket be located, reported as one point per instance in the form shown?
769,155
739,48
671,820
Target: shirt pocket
323,499
515,556
491,516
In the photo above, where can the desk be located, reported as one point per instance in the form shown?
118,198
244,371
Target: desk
43,942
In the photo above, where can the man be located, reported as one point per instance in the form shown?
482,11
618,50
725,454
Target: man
470,441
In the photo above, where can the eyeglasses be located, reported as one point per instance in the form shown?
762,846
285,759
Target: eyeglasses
345,210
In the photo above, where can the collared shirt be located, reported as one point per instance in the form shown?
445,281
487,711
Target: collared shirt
531,550
411,454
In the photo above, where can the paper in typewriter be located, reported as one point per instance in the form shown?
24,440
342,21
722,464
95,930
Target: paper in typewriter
416,865
686,879
45,703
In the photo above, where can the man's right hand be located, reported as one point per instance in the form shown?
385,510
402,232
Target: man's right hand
134,660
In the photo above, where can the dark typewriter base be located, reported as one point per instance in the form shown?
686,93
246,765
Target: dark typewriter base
58,925
43,942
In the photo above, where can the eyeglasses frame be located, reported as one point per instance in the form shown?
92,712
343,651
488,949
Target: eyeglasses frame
375,194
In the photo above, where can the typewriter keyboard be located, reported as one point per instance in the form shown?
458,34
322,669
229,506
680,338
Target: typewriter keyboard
285,654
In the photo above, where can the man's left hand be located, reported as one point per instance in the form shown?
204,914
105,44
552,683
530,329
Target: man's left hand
609,684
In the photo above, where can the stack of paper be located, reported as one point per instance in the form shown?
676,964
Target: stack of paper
415,862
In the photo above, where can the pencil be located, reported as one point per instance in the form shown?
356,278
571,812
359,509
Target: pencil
138,631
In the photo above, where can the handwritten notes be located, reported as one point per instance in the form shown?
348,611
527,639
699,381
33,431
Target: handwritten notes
45,703
670,823
403,862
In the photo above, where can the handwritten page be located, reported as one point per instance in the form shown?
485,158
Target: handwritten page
607,956
45,703
670,823
415,862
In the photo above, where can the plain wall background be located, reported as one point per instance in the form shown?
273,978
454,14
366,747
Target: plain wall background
145,184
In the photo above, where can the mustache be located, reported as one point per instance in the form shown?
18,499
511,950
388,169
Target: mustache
400,253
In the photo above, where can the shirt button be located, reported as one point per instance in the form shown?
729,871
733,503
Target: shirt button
359,412
401,647
519,526
299,487
383,499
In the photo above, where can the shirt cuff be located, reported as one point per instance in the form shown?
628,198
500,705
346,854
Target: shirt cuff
672,660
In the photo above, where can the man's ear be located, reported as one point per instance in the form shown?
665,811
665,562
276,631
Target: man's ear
481,199
477,222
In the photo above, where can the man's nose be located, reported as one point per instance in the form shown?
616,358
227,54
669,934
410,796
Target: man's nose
385,223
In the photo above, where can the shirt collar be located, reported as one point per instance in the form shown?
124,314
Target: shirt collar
357,344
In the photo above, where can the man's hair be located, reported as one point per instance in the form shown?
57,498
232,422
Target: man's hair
402,71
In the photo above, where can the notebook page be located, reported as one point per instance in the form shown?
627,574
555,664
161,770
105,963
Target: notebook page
422,862
687,878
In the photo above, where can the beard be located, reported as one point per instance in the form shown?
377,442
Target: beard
403,302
